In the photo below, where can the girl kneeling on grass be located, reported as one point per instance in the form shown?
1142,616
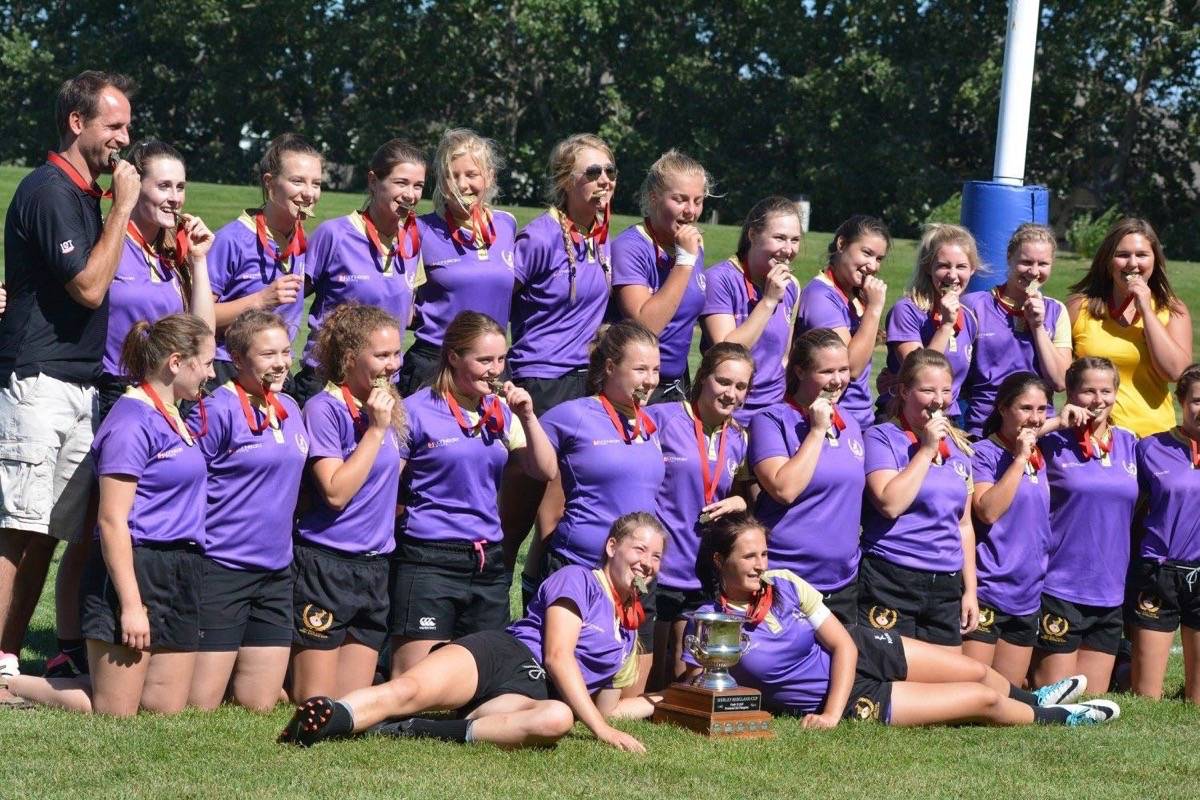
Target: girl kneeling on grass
580,634
805,662
141,587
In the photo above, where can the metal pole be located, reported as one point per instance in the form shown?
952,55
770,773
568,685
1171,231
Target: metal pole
1012,131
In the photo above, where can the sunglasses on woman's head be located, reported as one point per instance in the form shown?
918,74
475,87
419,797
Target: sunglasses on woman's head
593,172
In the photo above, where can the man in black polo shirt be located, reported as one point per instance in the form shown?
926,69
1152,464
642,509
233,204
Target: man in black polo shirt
60,258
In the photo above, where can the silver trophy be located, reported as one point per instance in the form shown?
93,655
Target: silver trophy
717,644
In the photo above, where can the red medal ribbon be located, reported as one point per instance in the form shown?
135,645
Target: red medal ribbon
759,605
631,614
408,232
838,422
1007,307
709,478
182,244
936,318
356,416
64,166
845,297
1195,446
272,403
1036,459
643,426
1118,314
598,234
491,416
296,245
943,447
179,427
660,246
482,226
751,292
1090,444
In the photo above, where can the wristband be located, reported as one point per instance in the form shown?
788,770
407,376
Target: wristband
683,258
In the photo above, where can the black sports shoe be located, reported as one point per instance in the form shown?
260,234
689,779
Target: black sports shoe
315,721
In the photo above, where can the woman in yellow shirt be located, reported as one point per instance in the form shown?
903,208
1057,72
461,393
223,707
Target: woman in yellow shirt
1125,310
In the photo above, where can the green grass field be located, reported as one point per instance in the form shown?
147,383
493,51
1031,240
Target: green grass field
1150,752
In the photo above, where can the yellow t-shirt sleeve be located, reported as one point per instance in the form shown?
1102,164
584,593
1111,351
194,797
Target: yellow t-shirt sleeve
1062,329
812,602
516,434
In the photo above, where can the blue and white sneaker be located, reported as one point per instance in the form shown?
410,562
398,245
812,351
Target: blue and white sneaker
1061,692
1091,712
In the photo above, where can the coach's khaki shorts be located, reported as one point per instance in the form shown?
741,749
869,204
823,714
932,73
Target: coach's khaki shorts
46,471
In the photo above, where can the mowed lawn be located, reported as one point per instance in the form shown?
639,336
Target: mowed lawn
1150,752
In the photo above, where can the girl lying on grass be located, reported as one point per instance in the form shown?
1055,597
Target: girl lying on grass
806,662
576,644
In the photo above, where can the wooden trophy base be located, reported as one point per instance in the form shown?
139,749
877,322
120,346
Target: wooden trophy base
721,713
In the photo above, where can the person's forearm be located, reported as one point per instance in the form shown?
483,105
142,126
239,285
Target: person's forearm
90,286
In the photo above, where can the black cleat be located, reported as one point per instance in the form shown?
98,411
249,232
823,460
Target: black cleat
310,724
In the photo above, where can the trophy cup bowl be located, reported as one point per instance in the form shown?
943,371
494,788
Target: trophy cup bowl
712,703
717,645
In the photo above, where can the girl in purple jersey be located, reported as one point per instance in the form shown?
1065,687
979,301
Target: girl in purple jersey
563,271
370,256
805,662
808,458
1020,330
142,586
577,641
658,265
344,535
751,299
258,259
917,574
164,262
704,451
609,457
1162,595
448,576
466,250
930,314
1011,505
1093,476
255,448
849,298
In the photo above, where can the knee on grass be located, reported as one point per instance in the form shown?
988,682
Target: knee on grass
553,720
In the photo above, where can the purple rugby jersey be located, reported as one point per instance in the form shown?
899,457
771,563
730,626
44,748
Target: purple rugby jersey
907,323
725,293
368,522
253,481
1002,346
638,261
238,267
451,479
603,477
681,496
342,266
1172,524
551,334
454,279
138,291
603,647
1091,509
1011,555
926,535
135,440
817,535
822,306
784,660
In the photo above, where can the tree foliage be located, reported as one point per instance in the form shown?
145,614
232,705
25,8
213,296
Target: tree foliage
883,106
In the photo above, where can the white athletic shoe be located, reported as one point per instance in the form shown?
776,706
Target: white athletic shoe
1092,712
1061,692
9,665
